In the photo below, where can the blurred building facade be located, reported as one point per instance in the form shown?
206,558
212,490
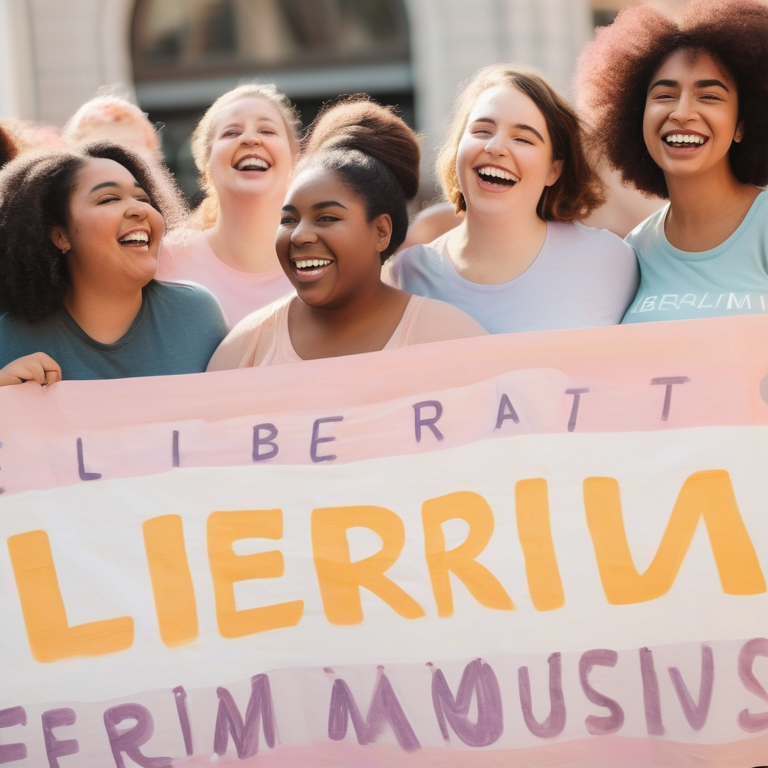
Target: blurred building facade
175,56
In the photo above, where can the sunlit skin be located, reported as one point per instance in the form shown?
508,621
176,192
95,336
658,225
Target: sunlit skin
501,235
111,242
342,306
507,133
690,123
251,162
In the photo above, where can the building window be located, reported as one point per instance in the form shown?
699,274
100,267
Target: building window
184,38
187,53
603,18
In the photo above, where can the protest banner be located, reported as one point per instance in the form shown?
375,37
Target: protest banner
520,550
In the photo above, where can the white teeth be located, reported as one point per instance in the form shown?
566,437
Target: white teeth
252,164
135,237
683,138
308,263
499,173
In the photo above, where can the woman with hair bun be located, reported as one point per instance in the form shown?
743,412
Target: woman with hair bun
680,109
80,234
345,213
515,166
245,149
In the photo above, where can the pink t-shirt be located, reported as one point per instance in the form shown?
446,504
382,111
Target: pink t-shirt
263,338
187,257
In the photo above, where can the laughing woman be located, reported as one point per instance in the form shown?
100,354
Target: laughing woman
80,234
344,215
681,111
244,148
519,260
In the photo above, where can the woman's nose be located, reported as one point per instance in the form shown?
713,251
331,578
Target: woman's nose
496,145
303,234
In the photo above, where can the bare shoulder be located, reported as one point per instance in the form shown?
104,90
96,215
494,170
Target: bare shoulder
240,349
440,321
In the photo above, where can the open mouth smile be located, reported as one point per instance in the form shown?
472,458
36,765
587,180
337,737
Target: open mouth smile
492,175
308,270
134,238
251,163
684,140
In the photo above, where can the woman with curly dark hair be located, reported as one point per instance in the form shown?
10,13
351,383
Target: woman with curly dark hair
519,261
680,109
80,234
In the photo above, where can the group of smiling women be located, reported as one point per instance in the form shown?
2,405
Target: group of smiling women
283,259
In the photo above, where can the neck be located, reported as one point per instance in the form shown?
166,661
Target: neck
243,236
362,308
104,315
705,212
495,249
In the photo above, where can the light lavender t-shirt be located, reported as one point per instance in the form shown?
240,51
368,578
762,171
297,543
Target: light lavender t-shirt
582,277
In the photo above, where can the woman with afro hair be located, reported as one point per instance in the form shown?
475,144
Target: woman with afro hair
679,107
80,234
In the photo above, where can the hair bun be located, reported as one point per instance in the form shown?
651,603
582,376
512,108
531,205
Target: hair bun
357,123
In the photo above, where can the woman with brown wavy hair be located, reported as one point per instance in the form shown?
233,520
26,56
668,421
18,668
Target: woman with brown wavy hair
515,166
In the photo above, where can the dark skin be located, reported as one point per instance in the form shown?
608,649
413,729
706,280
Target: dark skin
343,307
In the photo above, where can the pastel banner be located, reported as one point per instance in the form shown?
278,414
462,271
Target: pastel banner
526,550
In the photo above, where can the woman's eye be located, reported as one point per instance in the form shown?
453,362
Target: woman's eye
287,221
110,199
327,218
481,132
523,140
228,134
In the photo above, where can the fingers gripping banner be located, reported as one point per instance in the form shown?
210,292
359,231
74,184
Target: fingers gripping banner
539,549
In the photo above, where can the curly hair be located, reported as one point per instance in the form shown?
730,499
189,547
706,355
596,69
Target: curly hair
615,69
8,148
578,190
202,140
375,153
35,190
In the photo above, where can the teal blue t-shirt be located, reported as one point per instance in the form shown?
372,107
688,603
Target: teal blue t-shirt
176,330
731,279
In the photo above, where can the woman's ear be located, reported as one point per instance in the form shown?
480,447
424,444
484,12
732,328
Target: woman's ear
739,134
382,225
554,173
60,239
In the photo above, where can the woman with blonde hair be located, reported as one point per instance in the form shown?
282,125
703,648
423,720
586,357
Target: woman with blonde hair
244,148
515,165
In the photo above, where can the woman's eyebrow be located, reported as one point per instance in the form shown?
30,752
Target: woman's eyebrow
105,184
517,126
524,127
710,83
328,204
698,84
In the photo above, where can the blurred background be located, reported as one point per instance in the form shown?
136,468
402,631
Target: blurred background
174,57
